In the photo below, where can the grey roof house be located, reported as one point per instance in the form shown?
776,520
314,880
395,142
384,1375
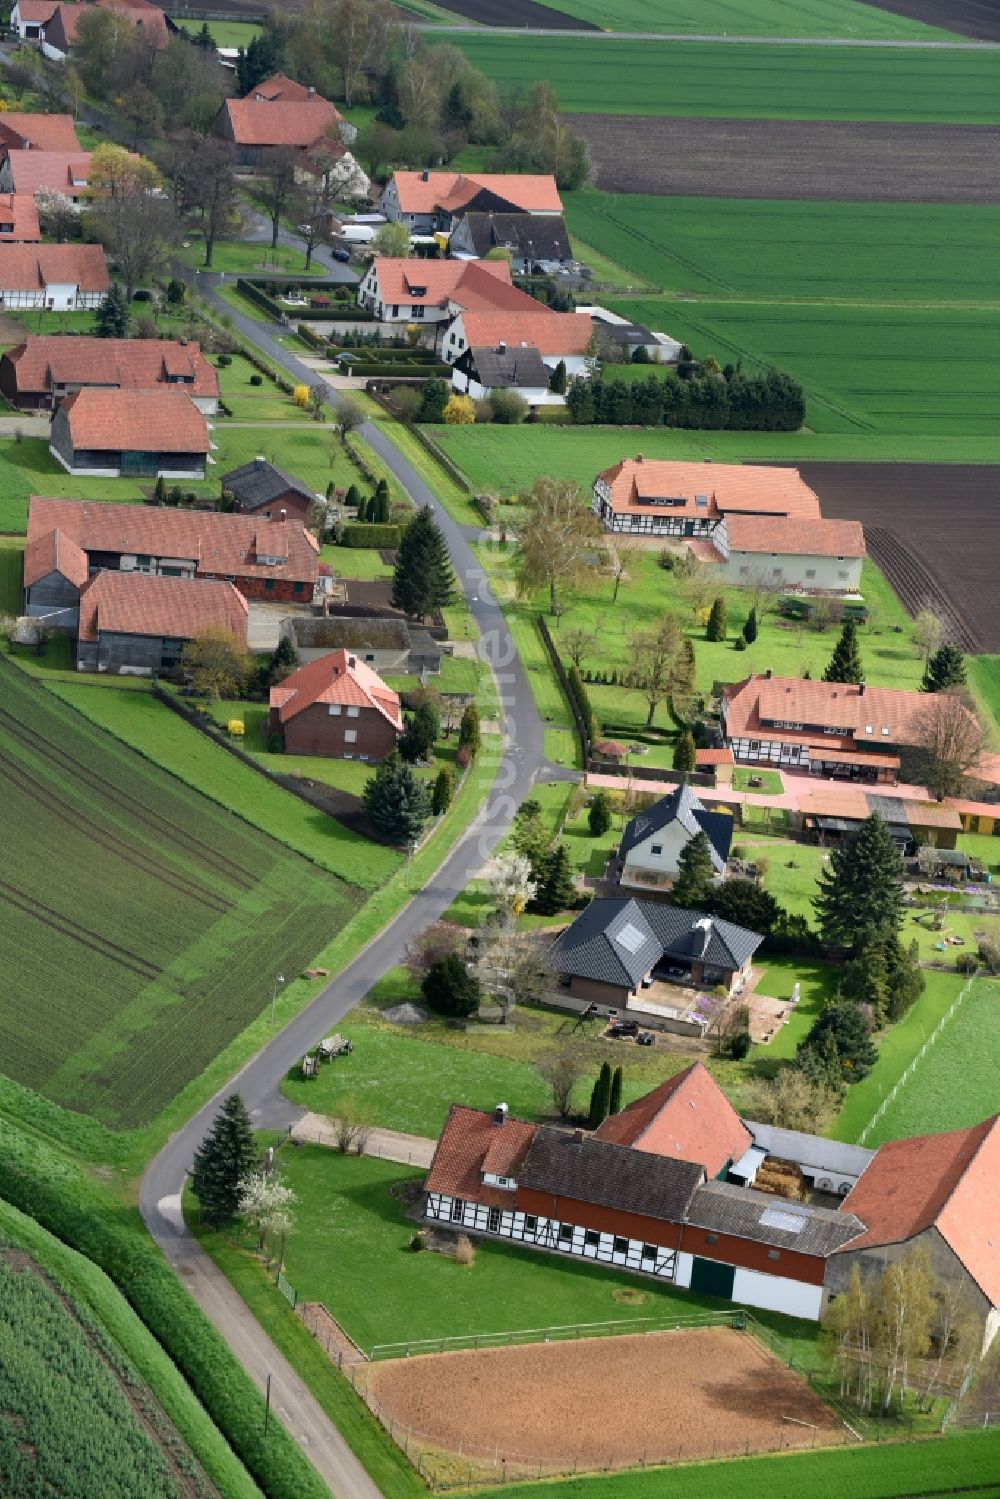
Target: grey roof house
389,646
532,240
654,840
259,487
619,946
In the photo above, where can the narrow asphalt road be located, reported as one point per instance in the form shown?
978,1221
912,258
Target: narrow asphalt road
258,1081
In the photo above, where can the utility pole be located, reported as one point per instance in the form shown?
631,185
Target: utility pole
279,979
267,1404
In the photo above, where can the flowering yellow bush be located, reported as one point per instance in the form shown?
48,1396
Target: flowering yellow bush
459,411
300,395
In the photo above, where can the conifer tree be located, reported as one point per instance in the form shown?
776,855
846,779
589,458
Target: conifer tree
599,815
417,740
442,792
423,580
616,1092
945,670
227,1154
397,801
861,889
845,663
750,627
112,318
600,1098
695,873
468,729
718,621
685,754
557,891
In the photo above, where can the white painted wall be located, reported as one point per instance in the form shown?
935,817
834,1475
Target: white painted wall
682,1273
832,574
775,1293
534,395
669,840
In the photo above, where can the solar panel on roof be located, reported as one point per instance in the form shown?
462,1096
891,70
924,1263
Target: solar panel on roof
630,937
788,1222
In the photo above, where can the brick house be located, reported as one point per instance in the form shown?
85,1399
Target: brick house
40,372
664,498
112,434
258,488
135,623
336,706
256,125
53,278
70,540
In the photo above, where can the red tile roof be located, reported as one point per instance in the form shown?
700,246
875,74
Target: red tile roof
687,1118
36,10
143,421
19,209
796,536
728,487
280,87
32,267
179,608
54,552
254,122
42,132
226,545
476,284
469,1139
126,363
50,171
337,678
419,192
713,757
551,333
949,1181
871,715
137,12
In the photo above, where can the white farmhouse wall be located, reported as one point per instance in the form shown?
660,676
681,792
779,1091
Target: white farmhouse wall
685,1265
831,574
775,1293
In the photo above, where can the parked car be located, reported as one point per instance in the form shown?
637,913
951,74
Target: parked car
342,255
645,1038
623,1028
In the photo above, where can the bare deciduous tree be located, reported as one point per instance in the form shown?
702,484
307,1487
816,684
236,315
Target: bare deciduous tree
790,1100
351,1128
274,186
578,644
949,741
559,534
661,663
562,1068
928,632
623,553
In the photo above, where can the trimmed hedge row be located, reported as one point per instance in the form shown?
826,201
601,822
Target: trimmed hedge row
401,371
259,298
314,340
583,704
370,534
50,1189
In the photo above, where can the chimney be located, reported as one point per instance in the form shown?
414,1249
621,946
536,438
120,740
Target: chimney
861,689
352,661
425,175
500,1114
259,462
283,514
578,1135
312,92
768,674
502,346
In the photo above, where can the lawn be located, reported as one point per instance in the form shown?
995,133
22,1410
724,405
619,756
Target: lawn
351,1236
163,737
103,846
11,569
954,1084
250,403
227,33
240,257
758,782
985,679
841,18
598,76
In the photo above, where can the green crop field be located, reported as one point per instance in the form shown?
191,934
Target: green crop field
142,925
985,672
955,1083
841,18
74,1419
599,76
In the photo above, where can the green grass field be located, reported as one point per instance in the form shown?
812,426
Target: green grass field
235,33
11,569
709,79
746,17
985,674
104,847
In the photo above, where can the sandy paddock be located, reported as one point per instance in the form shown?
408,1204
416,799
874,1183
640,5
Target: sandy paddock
659,1397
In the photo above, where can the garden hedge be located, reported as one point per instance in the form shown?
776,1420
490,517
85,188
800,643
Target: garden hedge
369,534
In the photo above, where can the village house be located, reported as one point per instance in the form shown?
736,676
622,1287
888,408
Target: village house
30,172
537,243
435,291
42,132
779,552
479,373
433,202
558,337
28,18
393,647
259,488
650,497
653,841
856,733
666,1188
52,278
618,948
256,126
58,32
136,623
40,372
18,219
624,340
336,706
111,434
71,540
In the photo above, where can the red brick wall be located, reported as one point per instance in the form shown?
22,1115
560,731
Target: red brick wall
282,590
804,1267
294,504
605,1220
318,732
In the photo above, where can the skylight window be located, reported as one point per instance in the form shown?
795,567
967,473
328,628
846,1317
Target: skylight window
789,1223
630,937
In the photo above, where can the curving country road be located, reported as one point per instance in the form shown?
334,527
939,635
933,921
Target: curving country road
258,1082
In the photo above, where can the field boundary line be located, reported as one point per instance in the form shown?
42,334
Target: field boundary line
928,1043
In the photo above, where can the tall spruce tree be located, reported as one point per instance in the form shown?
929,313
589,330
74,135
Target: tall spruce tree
112,318
557,891
227,1154
861,890
468,729
615,1106
945,669
397,801
750,626
685,753
600,1098
423,579
718,621
695,873
599,815
845,663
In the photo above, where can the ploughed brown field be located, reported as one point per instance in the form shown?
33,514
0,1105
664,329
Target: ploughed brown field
662,1397
831,160
975,18
516,13
934,528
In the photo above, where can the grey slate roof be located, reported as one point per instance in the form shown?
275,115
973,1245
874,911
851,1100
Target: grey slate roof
629,335
528,236
619,940
336,631
259,483
612,1176
793,1145
510,369
745,1213
681,805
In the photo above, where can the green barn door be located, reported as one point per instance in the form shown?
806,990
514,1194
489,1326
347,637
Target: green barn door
713,1279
